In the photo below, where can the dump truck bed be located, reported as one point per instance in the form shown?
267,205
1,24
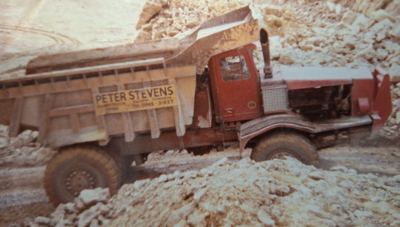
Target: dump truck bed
93,95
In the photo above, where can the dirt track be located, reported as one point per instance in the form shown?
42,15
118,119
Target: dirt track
22,197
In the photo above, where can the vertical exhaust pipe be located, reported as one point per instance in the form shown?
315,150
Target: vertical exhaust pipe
265,49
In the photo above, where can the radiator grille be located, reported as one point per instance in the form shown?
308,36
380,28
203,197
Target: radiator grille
275,98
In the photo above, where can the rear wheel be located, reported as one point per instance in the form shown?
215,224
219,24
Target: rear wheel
284,144
78,168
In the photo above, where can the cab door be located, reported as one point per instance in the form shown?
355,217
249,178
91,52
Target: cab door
235,86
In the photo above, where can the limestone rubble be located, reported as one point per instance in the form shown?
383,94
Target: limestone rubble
246,193
22,150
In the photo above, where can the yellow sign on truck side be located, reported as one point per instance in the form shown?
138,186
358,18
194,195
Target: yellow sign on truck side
134,100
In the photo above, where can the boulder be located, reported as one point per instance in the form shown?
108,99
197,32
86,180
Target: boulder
342,169
42,220
92,196
87,216
366,53
365,214
349,17
143,35
272,10
331,6
149,10
264,217
394,73
362,21
338,9
381,53
383,26
395,32
180,214
197,219
381,15
197,197
222,162
285,59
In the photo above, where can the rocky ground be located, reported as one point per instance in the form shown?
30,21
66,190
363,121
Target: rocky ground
356,186
244,193
236,192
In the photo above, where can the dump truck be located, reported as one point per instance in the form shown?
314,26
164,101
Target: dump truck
102,109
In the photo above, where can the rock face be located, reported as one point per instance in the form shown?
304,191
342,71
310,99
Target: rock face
246,193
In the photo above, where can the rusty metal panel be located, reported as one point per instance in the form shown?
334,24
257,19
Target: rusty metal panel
263,124
382,100
235,100
362,90
168,140
202,109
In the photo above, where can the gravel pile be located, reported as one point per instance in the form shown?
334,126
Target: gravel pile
22,150
246,193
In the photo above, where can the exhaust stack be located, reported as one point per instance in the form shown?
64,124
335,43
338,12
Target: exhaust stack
265,49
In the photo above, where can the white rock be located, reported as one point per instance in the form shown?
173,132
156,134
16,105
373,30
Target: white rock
349,17
3,142
382,26
394,73
366,214
149,10
338,9
42,220
264,217
197,197
381,15
222,161
382,53
316,175
342,169
367,53
92,196
180,214
87,216
272,9
352,172
335,196
331,6
398,117
71,208
163,178
347,184
141,183
363,21
375,199
395,32
285,59
197,219
318,211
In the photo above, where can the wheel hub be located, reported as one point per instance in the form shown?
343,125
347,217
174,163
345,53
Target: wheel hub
79,180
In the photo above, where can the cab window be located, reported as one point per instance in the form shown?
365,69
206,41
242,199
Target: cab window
234,68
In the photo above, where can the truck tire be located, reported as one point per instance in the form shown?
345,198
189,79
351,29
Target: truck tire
286,144
77,168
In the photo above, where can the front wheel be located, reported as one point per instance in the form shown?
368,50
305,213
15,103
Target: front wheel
78,168
284,144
